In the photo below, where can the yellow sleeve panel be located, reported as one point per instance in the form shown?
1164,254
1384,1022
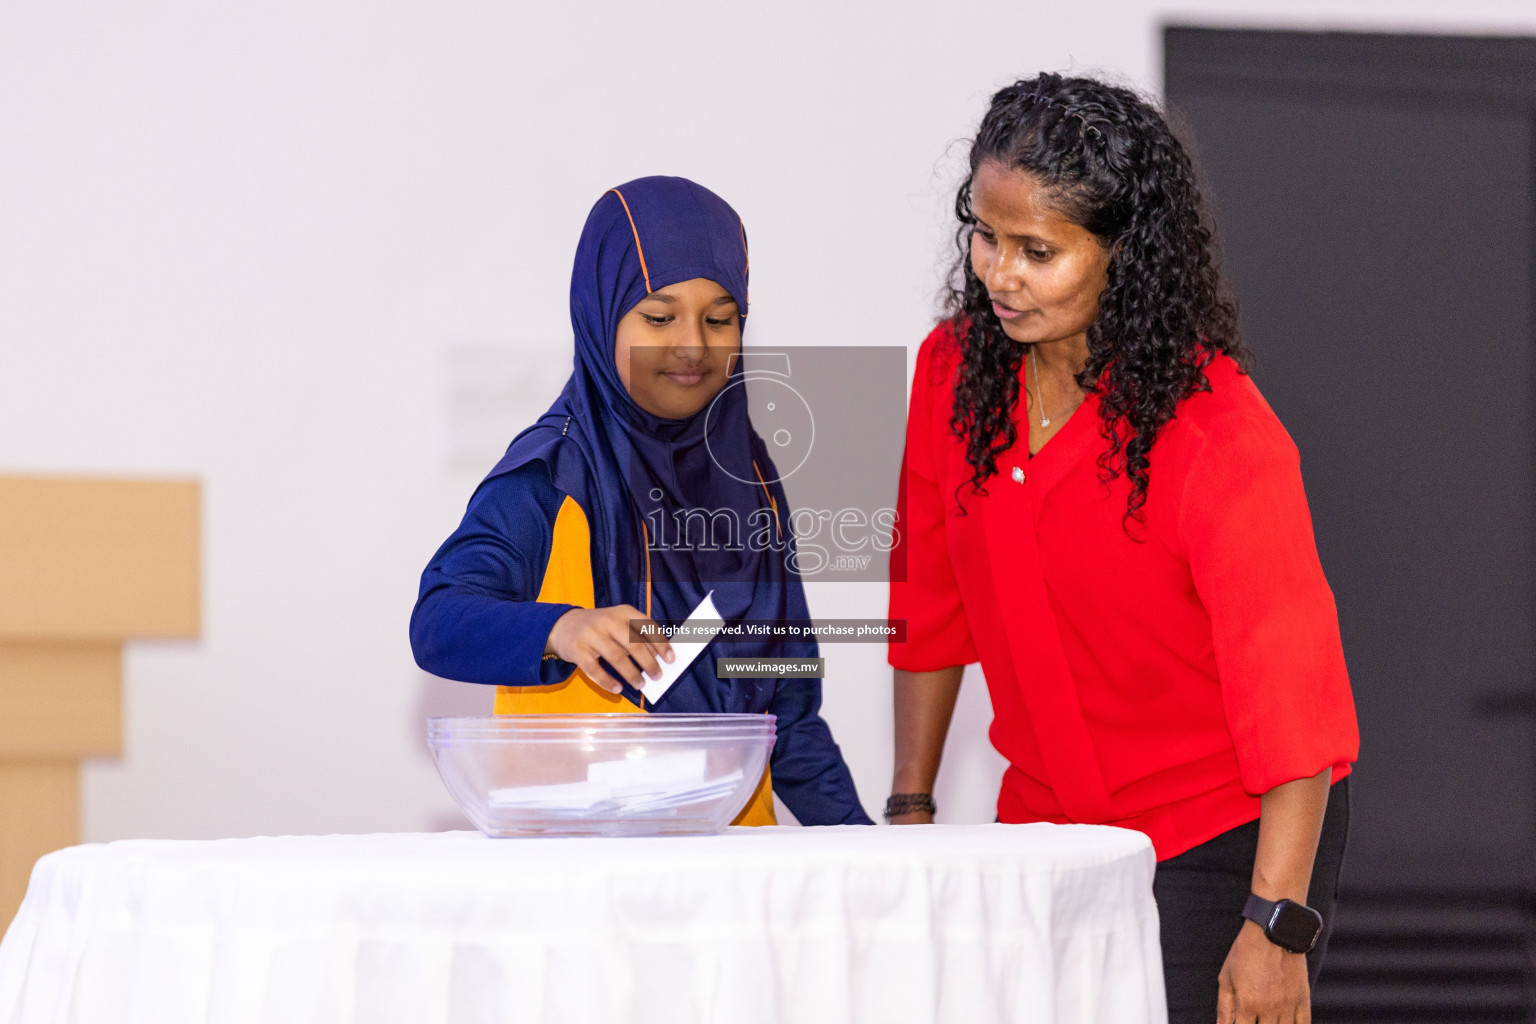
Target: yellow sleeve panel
567,580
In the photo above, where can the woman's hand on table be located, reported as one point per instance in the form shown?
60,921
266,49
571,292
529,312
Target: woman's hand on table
583,635
1260,982
925,702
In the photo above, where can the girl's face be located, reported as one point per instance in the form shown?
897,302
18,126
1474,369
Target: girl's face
1043,271
673,350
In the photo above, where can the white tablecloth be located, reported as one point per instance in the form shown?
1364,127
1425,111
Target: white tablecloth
973,924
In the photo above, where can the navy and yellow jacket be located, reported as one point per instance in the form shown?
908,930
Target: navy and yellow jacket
521,558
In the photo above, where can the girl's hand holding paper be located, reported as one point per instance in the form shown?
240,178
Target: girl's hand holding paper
583,635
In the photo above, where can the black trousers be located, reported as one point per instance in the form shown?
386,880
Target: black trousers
1200,896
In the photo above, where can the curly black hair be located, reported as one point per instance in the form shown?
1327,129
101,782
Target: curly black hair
1111,164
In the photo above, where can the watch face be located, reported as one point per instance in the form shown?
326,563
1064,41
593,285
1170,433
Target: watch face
1295,926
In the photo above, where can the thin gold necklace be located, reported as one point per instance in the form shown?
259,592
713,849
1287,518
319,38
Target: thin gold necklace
1045,420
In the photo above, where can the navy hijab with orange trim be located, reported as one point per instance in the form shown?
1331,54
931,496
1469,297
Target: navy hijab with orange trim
628,468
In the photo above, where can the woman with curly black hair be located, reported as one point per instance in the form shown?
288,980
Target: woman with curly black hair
1098,506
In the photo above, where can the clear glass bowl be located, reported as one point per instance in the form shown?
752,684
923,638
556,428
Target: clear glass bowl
601,775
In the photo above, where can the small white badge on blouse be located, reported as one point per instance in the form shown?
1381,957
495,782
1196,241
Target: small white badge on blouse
1018,474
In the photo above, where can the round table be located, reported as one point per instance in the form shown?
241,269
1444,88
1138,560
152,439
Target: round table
974,924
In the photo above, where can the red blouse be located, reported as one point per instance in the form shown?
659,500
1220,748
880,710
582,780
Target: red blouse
1159,685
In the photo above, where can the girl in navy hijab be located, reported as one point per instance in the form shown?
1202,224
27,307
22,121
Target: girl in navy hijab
641,490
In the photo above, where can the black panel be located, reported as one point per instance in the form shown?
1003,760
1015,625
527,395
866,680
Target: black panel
1375,196
1489,69
1418,959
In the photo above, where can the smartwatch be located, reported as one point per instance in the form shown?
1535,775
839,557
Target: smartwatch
1286,923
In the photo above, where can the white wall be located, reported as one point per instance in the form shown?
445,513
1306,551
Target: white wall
270,246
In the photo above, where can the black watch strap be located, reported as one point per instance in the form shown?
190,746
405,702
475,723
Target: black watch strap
1286,923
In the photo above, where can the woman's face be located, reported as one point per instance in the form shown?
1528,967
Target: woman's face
673,350
1043,272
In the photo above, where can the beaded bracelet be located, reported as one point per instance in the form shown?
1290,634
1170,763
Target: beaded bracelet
909,803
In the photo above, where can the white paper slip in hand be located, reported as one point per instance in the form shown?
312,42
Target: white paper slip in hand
686,651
